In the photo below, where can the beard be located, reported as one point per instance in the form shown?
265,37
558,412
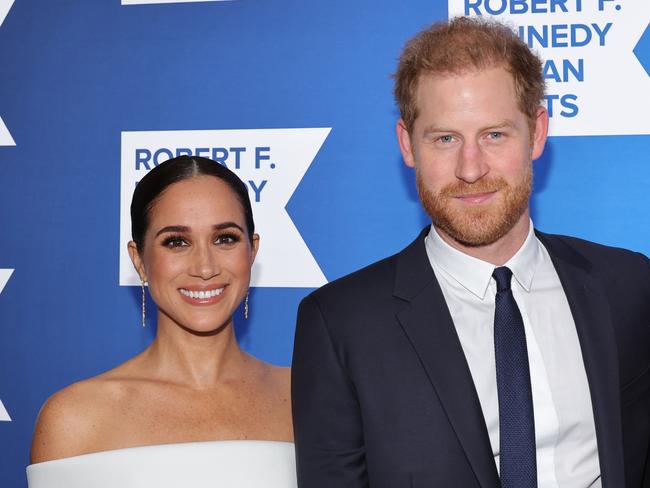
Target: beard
481,224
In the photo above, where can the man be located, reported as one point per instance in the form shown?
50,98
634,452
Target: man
486,353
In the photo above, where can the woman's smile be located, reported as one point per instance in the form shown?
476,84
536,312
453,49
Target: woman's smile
202,296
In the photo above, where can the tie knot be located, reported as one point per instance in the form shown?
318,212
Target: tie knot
502,276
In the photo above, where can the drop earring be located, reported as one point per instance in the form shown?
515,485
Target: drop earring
246,307
144,299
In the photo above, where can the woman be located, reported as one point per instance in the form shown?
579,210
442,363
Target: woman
154,420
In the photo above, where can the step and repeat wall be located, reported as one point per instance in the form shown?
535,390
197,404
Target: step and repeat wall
296,97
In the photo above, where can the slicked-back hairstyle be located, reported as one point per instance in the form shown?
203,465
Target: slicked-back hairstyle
154,183
463,45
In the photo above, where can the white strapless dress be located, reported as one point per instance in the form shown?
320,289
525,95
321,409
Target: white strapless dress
213,464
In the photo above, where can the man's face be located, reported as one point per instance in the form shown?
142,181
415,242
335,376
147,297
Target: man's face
472,150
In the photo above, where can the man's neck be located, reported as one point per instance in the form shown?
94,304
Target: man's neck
500,251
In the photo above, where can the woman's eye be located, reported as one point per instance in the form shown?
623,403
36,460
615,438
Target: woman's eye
226,239
174,242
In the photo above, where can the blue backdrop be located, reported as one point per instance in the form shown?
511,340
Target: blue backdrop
75,74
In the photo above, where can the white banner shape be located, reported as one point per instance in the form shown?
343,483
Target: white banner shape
150,2
4,415
270,161
5,274
5,136
5,6
595,83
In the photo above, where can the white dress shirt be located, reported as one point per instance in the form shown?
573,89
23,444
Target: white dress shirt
565,434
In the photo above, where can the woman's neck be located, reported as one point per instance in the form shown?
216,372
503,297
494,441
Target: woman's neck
196,361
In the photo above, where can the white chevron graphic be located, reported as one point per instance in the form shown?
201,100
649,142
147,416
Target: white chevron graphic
5,136
5,274
5,5
4,415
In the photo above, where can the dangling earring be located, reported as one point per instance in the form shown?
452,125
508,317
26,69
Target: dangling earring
143,304
246,307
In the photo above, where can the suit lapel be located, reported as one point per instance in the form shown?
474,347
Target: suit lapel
592,317
428,324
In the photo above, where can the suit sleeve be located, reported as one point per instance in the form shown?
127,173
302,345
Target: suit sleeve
327,422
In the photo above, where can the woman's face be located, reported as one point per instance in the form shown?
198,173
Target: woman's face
197,255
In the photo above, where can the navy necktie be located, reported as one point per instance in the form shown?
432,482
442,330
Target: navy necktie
518,467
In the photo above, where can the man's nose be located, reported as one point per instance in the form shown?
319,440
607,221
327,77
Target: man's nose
472,164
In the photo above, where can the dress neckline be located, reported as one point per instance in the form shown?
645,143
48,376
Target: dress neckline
166,446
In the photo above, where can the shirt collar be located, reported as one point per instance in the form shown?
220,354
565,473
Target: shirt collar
526,261
474,274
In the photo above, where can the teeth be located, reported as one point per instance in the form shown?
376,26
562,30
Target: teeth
201,294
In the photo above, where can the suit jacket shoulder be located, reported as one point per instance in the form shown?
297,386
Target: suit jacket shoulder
371,279
349,305
613,263
378,288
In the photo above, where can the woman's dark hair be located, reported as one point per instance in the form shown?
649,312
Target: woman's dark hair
154,183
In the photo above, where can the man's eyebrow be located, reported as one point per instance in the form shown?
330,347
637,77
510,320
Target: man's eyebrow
506,123
184,228
432,129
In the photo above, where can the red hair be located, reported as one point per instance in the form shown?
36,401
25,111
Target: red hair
465,44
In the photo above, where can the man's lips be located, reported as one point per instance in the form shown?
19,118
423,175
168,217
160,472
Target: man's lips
476,198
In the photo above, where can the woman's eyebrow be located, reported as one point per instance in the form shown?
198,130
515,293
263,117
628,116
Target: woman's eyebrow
173,228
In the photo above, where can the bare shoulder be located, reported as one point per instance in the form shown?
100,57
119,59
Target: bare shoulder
72,420
275,386
277,378
64,419
282,377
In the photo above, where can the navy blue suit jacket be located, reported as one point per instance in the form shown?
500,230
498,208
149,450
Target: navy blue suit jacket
383,396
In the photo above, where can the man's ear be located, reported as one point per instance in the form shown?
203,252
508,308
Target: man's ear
136,260
540,134
405,146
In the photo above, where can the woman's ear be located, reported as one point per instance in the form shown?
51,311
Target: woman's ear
136,260
254,247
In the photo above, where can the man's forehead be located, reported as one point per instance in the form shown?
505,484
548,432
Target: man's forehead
470,71
477,87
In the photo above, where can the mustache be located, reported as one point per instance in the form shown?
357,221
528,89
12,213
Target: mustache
484,185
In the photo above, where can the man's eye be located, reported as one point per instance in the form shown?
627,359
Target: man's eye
495,135
174,242
446,139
